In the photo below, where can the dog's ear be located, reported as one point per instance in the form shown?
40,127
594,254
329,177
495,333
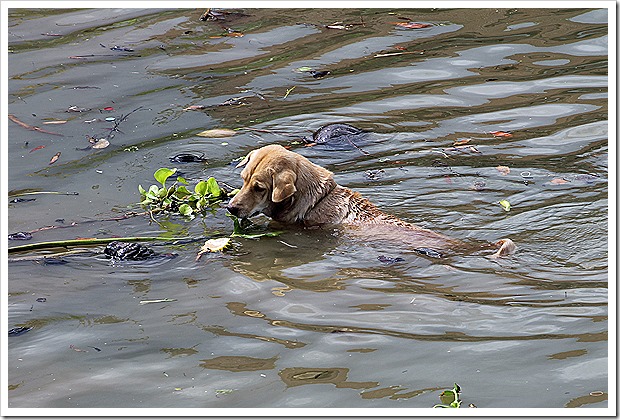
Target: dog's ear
245,160
283,185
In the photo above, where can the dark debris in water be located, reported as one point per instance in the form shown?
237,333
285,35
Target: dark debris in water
14,332
429,252
340,136
21,200
389,260
128,251
20,236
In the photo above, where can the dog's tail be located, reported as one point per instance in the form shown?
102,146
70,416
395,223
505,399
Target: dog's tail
506,247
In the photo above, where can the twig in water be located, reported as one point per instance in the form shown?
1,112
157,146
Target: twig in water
30,127
118,122
289,91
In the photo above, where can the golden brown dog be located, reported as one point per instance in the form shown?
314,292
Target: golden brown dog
290,189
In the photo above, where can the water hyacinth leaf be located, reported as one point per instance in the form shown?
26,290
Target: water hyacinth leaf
162,174
185,209
142,190
182,192
153,191
447,397
201,188
182,180
213,188
505,205
217,133
201,204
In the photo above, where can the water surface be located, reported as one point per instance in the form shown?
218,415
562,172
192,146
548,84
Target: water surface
312,318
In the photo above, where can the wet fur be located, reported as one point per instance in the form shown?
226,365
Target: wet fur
290,189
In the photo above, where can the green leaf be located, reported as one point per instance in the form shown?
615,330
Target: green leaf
185,209
154,189
162,174
447,397
505,204
201,188
240,231
182,180
182,192
142,190
202,203
213,188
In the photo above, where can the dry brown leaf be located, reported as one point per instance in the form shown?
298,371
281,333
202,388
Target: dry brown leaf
503,134
217,133
101,144
559,181
461,142
504,170
54,158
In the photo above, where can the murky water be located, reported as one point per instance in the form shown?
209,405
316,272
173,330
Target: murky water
313,318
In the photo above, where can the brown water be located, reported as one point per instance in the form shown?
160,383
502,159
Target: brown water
310,318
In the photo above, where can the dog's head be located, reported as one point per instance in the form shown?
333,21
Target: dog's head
279,183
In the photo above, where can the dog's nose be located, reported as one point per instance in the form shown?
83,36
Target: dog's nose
234,210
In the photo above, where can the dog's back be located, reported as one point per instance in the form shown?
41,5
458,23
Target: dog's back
313,198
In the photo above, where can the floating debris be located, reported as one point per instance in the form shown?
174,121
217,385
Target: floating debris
429,252
14,332
127,251
389,260
20,236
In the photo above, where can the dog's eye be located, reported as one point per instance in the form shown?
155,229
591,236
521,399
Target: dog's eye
258,188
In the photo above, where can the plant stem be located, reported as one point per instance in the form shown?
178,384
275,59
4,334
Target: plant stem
93,241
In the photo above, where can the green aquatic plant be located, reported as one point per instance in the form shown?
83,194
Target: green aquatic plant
178,198
450,398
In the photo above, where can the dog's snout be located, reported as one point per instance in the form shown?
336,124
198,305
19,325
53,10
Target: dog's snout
232,209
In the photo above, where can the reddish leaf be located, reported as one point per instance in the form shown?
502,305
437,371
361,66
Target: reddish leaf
36,148
461,142
503,134
504,170
108,108
194,107
558,181
54,158
412,25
